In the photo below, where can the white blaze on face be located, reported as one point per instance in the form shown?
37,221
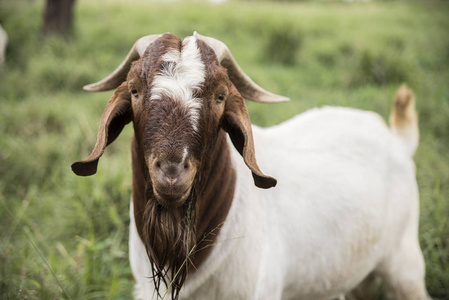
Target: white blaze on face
184,72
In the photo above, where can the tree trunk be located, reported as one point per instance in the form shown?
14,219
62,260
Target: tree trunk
58,17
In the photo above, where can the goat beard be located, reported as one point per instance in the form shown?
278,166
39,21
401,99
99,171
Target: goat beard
170,239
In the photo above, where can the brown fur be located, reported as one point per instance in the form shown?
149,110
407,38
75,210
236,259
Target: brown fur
187,233
404,118
403,113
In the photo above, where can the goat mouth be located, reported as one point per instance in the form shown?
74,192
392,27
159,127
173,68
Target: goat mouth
171,199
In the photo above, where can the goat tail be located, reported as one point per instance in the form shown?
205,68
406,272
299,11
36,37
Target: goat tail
404,118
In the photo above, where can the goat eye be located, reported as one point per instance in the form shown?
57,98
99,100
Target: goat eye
220,98
134,92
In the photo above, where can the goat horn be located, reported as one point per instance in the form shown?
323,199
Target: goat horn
116,78
246,87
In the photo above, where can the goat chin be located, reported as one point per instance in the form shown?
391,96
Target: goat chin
171,201
207,223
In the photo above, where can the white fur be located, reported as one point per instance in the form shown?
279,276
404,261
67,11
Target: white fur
185,73
346,204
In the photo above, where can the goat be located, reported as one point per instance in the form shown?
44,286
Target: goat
345,211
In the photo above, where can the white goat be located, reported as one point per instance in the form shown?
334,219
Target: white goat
345,211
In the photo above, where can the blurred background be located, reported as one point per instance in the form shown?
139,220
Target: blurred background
65,237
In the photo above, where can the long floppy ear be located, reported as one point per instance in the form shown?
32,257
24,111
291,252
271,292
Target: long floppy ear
117,114
238,125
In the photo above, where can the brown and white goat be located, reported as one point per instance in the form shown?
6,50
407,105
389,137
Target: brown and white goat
197,221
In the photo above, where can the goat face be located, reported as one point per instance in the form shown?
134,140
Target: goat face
177,105
178,94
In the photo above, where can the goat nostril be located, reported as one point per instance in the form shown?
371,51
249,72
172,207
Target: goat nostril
186,166
158,164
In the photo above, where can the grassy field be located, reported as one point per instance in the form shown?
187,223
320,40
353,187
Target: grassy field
65,237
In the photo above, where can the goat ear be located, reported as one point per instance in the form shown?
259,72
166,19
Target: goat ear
117,114
238,125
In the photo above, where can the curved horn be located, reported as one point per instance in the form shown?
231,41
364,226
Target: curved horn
246,87
116,78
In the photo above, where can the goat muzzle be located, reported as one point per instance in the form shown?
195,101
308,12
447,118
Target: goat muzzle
172,181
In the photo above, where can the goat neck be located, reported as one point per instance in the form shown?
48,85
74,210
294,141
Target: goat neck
215,199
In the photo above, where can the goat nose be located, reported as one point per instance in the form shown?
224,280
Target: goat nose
170,170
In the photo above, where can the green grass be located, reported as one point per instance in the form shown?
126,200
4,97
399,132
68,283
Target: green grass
63,236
